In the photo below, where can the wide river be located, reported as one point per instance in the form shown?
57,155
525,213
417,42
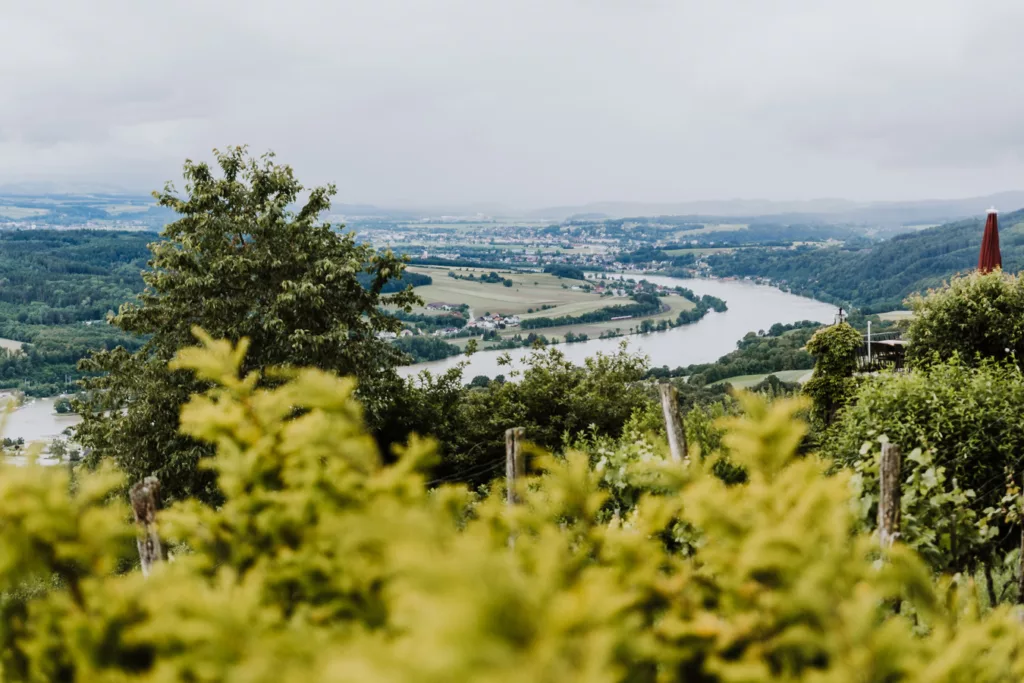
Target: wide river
36,421
751,307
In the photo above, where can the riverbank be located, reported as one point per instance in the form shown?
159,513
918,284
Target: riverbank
751,307
37,420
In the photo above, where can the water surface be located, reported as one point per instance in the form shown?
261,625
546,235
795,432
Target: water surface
752,307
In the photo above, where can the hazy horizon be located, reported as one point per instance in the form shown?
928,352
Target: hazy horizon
421,103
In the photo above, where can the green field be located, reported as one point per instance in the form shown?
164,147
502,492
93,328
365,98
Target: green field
710,228
20,212
529,290
896,315
118,209
10,344
699,251
747,381
594,330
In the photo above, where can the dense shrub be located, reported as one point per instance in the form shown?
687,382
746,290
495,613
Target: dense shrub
324,565
971,416
967,423
421,349
974,316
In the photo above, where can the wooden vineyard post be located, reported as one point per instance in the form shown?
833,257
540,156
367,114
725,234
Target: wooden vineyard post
1020,562
673,422
515,468
145,498
889,499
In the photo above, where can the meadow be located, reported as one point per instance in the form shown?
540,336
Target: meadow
526,297
20,212
747,381
11,344
529,291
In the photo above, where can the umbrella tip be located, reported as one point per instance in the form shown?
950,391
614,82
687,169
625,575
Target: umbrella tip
993,210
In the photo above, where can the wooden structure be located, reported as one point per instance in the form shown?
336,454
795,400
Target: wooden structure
881,351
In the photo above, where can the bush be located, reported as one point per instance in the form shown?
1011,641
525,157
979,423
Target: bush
422,349
569,272
974,316
969,420
553,400
323,565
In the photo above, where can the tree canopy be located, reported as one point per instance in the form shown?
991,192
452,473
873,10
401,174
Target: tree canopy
244,259
974,317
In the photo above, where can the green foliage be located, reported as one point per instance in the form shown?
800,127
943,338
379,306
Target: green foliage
58,277
940,519
561,270
422,348
968,427
635,309
878,277
56,288
553,399
974,316
240,262
397,284
324,564
835,362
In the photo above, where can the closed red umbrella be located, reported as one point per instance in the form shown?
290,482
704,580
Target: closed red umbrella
989,259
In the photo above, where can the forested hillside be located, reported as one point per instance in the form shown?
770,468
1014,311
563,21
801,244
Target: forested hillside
56,290
879,277
64,276
55,287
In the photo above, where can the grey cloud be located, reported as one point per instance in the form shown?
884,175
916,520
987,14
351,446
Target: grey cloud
528,102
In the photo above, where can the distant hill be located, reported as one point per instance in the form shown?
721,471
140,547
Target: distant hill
921,212
41,188
879,277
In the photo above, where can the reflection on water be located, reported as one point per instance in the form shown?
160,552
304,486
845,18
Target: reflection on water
36,421
752,307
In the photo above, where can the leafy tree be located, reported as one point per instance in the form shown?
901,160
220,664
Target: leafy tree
422,349
974,316
324,564
835,362
553,400
568,272
240,262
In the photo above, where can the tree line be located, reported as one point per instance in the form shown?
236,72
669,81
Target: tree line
876,277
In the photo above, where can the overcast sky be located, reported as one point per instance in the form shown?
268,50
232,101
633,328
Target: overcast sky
525,102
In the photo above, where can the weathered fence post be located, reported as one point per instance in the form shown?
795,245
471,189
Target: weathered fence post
515,467
673,422
145,498
1020,563
889,499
